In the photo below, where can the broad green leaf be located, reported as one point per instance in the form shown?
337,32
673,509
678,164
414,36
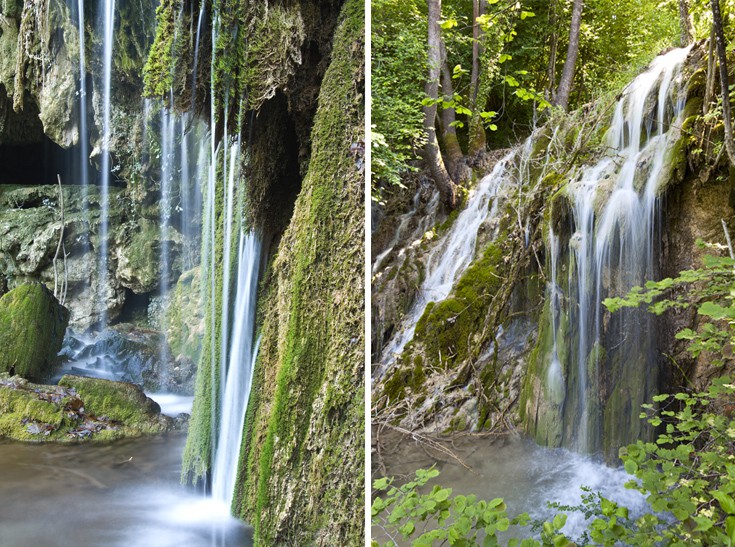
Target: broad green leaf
726,502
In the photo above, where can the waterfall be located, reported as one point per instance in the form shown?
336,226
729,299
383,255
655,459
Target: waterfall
83,130
239,371
107,46
196,54
555,376
612,247
454,253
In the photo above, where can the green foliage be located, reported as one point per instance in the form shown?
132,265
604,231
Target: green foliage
436,517
710,289
398,73
687,475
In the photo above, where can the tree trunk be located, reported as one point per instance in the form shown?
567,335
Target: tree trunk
685,23
433,157
476,129
709,89
452,150
550,92
724,81
567,76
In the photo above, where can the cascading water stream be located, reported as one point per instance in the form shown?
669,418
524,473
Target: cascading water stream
107,49
239,371
448,260
613,248
555,376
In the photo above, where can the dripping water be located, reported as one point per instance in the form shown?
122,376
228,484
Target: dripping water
107,47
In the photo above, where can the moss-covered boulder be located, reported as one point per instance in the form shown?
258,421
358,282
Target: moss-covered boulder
32,327
77,409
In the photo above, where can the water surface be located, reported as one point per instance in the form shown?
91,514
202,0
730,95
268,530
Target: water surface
524,474
125,493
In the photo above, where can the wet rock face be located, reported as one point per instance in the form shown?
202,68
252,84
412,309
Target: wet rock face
30,226
130,354
32,327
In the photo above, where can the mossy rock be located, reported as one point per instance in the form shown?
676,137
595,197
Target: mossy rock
78,409
120,401
185,317
32,327
446,328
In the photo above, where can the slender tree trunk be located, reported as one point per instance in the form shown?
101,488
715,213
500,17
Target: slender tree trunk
452,150
433,157
567,76
685,23
724,81
550,93
476,129
709,89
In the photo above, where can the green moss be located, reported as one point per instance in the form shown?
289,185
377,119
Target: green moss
185,316
307,438
158,73
446,329
198,450
32,327
447,224
120,401
99,409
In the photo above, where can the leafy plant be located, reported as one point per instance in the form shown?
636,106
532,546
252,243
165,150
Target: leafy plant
436,517
711,289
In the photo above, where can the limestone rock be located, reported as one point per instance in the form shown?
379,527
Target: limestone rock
58,95
138,252
32,327
29,233
185,317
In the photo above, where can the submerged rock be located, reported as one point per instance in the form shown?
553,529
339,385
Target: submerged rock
32,327
128,353
76,409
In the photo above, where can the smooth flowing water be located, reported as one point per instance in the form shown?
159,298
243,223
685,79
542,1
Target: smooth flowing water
107,49
239,371
614,208
451,257
83,118
121,494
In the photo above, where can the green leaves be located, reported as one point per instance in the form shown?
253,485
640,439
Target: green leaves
435,517
448,24
726,502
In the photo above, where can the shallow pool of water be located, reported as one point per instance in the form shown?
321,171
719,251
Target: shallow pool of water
524,474
125,494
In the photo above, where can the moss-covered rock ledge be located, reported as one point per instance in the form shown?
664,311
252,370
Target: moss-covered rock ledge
77,409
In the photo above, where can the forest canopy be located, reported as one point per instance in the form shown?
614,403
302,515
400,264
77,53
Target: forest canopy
501,66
